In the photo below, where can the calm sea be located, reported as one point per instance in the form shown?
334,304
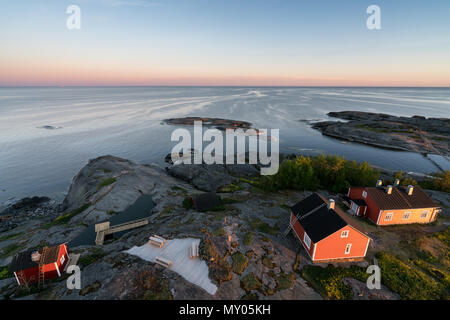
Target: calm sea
126,122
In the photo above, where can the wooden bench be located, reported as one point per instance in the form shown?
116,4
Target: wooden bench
193,250
163,262
157,241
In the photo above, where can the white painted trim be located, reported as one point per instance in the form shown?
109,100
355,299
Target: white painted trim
305,235
350,249
15,275
306,249
379,215
367,247
347,257
314,252
57,270
348,192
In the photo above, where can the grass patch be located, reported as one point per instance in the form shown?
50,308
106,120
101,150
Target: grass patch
229,188
187,203
284,281
328,281
95,255
406,281
250,282
219,232
4,273
258,225
240,262
11,249
11,236
65,218
248,239
105,183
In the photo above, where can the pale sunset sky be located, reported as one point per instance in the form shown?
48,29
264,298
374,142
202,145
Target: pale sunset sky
225,42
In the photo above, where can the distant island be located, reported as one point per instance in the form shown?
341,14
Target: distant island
415,134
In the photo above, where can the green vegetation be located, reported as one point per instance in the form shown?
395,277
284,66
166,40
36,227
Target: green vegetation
328,281
250,296
406,281
404,181
219,232
258,225
240,262
10,236
151,286
4,273
229,188
65,218
106,170
267,262
106,182
166,211
439,182
11,249
284,281
94,255
250,282
333,173
187,203
248,239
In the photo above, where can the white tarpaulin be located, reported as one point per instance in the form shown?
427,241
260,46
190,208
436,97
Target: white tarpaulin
177,250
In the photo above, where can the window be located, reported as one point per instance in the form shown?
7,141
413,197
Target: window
364,194
347,248
62,259
307,240
424,214
406,215
344,234
388,216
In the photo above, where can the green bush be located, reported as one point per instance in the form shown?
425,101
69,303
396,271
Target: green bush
406,281
95,255
4,273
250,282
248,239
240,262
333,173
328,281
65,218
439,182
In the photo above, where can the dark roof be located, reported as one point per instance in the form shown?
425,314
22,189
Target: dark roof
320,223
399,199
22,260
359,202
206,201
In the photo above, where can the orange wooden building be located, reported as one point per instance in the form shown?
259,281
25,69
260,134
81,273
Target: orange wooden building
324,233
393,204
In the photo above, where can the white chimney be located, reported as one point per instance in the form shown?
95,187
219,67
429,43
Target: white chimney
410,190
396,183
331,204
389,189
379,183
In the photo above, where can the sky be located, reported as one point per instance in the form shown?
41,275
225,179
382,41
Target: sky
225,43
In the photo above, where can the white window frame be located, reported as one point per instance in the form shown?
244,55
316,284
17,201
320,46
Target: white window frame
62,259
307,240
406,215
344,234
424,214
364,194
390,215
348,248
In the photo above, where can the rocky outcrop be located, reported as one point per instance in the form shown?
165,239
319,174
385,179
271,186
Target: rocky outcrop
218,123
416,134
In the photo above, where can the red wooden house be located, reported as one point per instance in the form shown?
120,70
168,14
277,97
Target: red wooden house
393,204
33,265
323,232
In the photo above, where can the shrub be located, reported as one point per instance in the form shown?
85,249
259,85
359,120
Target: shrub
248,239
406,281
328,281
439,182
240,262
250,282
187,203
4,273
65,218
284,281
309,173
95,255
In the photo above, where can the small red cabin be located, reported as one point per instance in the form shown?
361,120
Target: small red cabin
38,265
323,232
